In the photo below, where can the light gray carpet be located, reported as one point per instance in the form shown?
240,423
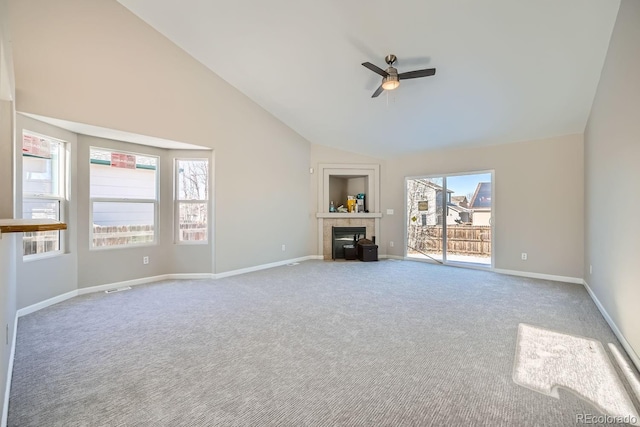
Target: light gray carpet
392,343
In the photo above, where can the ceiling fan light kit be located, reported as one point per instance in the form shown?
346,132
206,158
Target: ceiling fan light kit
390,82
391,78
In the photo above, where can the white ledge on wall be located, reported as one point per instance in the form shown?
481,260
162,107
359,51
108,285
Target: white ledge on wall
348,215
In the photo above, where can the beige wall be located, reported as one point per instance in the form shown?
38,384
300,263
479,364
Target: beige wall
612,177
6,156
538,200
7,113
8,243
96,63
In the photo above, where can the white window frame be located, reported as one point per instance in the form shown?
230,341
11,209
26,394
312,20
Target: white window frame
155,202
178,202
60,199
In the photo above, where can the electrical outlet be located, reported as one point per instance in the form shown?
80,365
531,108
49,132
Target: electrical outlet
389,211
145,260
524,256
284,248
391,243
590,269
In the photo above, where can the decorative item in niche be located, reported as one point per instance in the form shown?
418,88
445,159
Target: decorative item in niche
351,204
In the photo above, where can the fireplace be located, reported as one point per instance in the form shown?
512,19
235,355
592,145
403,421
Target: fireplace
345,236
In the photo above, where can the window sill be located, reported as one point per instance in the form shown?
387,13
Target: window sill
133,246
41,256
192,243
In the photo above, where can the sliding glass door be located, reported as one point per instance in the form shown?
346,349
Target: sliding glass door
449,218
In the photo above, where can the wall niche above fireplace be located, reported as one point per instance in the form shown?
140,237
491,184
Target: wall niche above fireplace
337,181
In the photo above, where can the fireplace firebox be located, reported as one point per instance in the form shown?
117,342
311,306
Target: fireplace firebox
345,236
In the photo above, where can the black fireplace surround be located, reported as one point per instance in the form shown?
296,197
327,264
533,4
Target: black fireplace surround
345,236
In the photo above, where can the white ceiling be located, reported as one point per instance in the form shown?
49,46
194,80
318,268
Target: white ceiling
507,70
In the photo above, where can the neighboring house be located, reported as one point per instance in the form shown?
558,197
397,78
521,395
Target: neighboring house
458,212
460,201
425,202
457,215
107,181
481,204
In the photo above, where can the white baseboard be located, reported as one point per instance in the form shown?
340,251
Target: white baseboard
46,303
625,344
627,369
189,276
7,389
401,258
134,282
263,267
566,279
144,281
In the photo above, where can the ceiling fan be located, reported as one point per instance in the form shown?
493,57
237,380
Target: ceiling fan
391,78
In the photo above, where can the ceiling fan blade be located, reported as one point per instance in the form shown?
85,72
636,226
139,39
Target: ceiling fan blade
417,73
377,92
375,69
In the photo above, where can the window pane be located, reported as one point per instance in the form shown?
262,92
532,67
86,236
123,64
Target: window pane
193,179
122,175
40,209
111,182
41,175
122,223
192,222
43,241
40,242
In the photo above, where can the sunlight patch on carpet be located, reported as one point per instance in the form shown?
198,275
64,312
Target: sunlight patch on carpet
546,360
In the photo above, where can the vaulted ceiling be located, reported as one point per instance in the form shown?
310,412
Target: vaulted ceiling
507,70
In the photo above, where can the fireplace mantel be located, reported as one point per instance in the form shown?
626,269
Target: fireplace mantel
348,215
